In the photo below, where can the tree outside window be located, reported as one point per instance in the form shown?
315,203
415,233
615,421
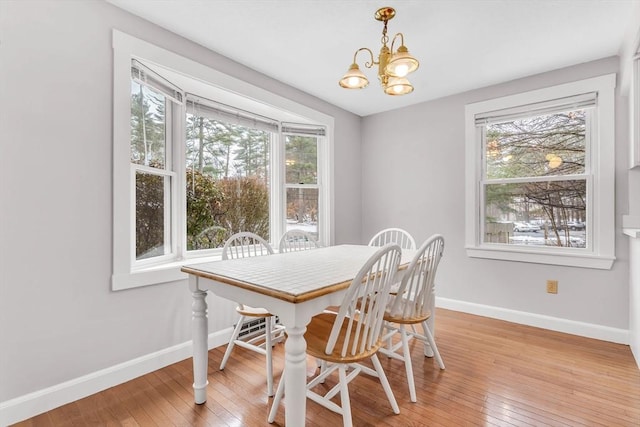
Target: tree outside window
535,175
227,175
152,183
301,169
540,175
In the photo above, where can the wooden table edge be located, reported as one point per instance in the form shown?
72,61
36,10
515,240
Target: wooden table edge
285,296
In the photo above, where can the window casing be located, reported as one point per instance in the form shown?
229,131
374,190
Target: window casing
152,166
634,157
540,176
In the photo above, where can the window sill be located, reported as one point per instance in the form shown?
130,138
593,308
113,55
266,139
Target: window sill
536,257
168,272
157,274
632,232
631,225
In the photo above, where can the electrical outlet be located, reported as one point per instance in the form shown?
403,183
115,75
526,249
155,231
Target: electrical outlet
552,286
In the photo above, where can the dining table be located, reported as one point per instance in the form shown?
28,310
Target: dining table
295,286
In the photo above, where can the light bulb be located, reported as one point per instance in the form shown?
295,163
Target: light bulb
353,81
555,162
397,88
402,70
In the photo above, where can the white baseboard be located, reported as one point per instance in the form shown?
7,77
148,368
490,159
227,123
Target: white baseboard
32,404
589,330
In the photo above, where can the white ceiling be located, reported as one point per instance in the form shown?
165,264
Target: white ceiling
461,44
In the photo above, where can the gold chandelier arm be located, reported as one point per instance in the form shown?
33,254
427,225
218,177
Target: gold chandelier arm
366,64
394,40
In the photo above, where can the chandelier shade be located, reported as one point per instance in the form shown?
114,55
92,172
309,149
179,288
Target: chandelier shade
398,86
402,63
354,78
393,67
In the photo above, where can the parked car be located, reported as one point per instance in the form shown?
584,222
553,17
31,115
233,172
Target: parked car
576,225
573,225
525,227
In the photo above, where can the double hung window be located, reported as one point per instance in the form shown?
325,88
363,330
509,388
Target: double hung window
152,107
540,178
302,148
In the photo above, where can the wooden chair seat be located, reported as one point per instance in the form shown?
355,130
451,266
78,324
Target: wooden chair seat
245,310
409,320
317,335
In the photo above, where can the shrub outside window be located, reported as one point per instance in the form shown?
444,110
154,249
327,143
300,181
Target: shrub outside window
228,163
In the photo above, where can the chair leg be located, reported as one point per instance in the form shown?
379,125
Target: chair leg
345,402
322,365
232,342
406,355
276,400
385,384
389,336
269,351
428,351
432,344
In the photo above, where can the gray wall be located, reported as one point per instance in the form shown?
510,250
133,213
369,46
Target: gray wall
58,318
413,177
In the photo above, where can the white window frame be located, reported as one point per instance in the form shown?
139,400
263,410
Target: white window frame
601,206
127,272
320,153
634,144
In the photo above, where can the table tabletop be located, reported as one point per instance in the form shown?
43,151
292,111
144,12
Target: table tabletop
293,276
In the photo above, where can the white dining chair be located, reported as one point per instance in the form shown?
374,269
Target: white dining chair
350,336
242,245
411,305
393,235
297,240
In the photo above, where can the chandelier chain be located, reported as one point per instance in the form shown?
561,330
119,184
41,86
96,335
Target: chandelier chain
385,38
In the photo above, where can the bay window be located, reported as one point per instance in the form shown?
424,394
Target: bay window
199,156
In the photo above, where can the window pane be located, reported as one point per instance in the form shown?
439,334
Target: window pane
301,159
552,144
302,209
541,213
227,181
152,215
147,126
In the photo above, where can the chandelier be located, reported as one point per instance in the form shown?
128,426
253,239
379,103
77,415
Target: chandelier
393,67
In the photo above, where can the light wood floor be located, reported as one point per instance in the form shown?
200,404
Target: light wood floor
498,374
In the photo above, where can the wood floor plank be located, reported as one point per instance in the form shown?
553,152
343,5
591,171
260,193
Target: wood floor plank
498,374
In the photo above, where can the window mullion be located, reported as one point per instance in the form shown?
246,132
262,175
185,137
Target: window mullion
277,204
179,166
